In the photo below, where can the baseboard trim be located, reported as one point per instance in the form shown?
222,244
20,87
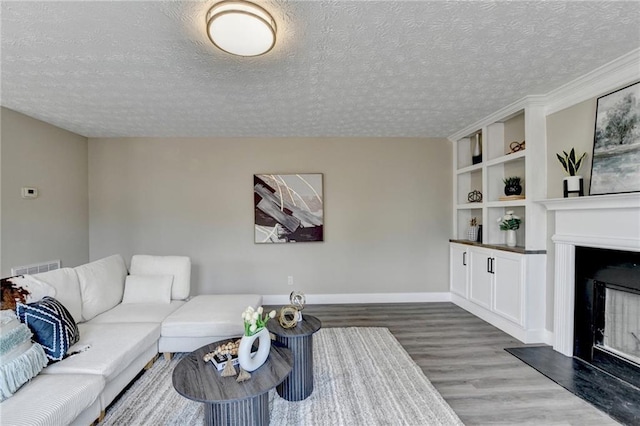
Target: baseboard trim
331,299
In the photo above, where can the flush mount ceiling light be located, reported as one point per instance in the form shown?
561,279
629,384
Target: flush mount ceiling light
241,28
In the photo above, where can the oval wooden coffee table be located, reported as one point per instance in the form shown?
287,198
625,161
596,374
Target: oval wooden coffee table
226,401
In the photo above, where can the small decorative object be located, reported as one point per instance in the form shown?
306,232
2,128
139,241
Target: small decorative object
571,165
472,232
243,375
616,146
516,146
288,317
254,328
474,196
479,240
512,186
510,222
229,369
477,151
298,301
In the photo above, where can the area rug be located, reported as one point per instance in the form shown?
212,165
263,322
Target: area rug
361,376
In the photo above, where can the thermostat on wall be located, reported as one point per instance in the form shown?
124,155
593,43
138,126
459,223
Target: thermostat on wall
29,192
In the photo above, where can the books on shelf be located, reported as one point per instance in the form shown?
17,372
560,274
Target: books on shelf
512,197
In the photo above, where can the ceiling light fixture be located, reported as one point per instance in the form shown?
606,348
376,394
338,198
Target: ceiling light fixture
241,28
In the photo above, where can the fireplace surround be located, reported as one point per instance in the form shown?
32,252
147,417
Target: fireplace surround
603,221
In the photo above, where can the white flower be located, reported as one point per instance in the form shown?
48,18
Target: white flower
260,310
255,316
253,328
499,219
510,212
516,217
272,314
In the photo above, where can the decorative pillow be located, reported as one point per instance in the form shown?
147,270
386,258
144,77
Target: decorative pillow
20,359
23,288
147,289
101,285
52,325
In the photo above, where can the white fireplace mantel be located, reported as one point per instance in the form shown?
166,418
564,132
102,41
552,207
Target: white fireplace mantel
612,201
601,221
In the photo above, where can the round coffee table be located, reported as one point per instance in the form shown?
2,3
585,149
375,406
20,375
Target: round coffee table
299,384
228,402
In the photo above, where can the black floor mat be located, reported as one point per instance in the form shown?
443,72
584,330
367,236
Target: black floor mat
615,397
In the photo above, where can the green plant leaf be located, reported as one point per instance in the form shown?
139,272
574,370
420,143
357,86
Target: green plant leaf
572,156
563,162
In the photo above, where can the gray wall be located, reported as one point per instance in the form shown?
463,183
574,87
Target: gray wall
56,224
387,211
572,127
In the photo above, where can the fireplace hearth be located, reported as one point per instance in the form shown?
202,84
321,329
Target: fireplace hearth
607,311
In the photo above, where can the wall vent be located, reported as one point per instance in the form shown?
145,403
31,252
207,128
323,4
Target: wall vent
36,268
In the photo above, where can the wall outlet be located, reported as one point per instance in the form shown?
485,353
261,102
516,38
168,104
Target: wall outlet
290,280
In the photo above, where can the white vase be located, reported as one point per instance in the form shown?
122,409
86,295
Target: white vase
511,237
250,362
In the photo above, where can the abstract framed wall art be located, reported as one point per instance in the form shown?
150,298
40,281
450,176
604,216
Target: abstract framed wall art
616,147
288,208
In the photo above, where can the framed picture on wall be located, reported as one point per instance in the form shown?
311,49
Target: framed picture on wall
289,208
616,147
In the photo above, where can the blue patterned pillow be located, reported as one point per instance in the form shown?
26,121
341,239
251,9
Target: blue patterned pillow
52,326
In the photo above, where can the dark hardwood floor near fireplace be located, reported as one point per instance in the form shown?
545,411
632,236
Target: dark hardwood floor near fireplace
464,358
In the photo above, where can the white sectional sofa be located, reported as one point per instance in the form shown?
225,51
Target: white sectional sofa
121,318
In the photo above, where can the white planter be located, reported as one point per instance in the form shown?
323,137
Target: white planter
573,182
245,359
511,238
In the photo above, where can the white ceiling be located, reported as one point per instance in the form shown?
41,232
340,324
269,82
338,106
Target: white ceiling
339,68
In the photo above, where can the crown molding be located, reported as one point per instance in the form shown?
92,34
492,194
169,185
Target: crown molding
617,73
501,115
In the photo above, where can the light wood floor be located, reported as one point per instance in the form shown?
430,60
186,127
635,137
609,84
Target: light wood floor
465,360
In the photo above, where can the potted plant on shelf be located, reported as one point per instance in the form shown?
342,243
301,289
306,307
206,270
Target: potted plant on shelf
510,222
512,186
571,164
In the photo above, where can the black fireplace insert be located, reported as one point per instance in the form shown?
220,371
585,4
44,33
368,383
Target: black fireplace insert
607,293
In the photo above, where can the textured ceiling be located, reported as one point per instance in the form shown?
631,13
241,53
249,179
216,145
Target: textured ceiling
340,68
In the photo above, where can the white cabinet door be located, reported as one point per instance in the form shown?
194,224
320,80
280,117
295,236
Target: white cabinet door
458,259
508,275
480,278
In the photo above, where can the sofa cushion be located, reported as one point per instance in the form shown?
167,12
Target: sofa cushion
178,266
52,325
138,312
101,285
147,289
24,289
51,400
20,359
106,349
65,281
210,315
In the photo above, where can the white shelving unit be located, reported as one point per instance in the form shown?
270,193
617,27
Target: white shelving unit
502,285
524,121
